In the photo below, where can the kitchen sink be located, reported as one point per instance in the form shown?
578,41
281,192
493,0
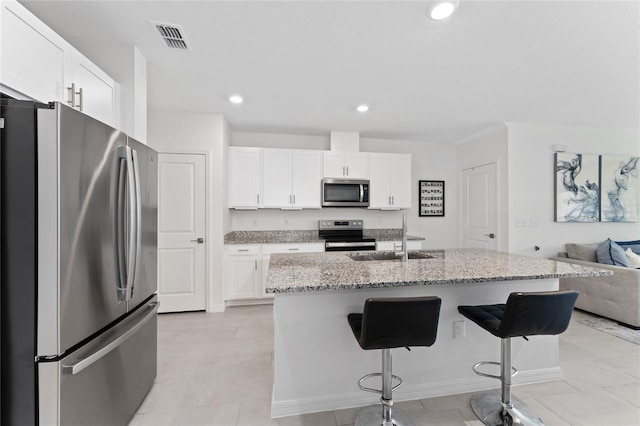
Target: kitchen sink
388,256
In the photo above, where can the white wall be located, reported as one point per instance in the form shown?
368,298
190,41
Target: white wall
140,96
174,131
430,161
489,146
531,185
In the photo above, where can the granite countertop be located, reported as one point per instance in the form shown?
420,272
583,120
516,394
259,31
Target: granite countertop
279,237
338,271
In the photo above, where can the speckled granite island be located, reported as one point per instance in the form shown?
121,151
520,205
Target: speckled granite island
317,361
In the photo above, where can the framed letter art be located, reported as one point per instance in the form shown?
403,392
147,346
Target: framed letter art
431,196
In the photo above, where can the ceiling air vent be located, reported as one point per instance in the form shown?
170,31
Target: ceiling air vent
173,36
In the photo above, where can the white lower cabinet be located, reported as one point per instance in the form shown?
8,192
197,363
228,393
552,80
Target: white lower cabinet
243,272
247,266
390,245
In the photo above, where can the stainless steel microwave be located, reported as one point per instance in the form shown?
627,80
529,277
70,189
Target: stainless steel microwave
345,193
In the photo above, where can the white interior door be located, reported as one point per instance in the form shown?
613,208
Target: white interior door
479,207
181,232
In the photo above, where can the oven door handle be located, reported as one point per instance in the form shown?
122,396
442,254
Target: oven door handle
350,244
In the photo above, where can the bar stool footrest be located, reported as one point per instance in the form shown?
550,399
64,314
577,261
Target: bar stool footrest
492,376
372,415
364,388
489,409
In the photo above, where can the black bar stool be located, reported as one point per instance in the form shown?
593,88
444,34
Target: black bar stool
388,323
524,314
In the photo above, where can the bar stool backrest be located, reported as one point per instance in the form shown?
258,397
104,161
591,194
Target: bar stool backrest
399,322
537,313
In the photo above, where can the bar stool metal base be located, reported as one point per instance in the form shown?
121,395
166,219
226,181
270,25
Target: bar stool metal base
488,408
372,416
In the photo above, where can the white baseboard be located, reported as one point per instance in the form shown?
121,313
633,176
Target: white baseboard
216,308
249,302
405,393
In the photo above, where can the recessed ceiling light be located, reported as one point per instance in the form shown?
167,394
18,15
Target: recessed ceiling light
442,9
236,99
362,108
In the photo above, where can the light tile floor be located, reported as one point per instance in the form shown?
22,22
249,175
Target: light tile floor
216,369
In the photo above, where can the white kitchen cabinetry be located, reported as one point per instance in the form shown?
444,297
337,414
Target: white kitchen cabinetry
348,165
245,167
390,181
291,178
391,245
39,64
247,266
89,89
33,55
269,249
243,272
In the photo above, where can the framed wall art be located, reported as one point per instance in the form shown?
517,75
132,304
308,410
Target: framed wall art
577,187
619,177
431,196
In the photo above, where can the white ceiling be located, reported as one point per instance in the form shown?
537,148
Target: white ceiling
304,66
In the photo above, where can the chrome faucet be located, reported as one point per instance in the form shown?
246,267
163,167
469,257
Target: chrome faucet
404,252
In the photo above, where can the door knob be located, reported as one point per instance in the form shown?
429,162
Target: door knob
198,240
492,235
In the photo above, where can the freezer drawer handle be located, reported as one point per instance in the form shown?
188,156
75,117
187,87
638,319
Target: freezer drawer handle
77,367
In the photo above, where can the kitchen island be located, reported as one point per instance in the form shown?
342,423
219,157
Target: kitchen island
317,361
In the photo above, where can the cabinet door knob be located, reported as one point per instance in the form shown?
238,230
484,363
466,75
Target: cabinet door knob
492,235
198,240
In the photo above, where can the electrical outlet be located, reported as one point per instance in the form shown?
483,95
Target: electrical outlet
522,222
254,222
458,329
533,222
286,221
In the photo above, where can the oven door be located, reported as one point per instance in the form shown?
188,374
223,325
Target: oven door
345,193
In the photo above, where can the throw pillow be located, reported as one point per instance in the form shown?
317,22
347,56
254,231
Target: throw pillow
634,259
633,245
610,253
581,252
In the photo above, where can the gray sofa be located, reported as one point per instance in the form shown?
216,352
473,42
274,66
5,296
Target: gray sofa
616,297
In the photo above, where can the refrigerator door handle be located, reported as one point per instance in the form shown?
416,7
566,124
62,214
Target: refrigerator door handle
137,230
119,206
81,364
132,240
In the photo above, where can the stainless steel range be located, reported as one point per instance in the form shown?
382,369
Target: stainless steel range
344,235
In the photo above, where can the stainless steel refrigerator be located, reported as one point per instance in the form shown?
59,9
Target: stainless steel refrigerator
79,268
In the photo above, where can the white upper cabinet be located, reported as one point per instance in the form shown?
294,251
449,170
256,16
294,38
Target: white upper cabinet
390,181
33,56
306,179
39,64
347,165
276,178
244,178
89,89
291,178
